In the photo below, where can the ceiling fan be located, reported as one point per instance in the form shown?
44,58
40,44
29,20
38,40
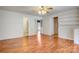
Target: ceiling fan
44,9
48,7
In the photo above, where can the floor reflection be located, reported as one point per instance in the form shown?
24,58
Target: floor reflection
39,38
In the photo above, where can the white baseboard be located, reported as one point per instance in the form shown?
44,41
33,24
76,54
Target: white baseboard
68,38
14,36
10,37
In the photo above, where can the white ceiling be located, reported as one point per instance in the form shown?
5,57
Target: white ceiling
34,9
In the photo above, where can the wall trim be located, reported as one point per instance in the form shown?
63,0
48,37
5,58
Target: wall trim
65,38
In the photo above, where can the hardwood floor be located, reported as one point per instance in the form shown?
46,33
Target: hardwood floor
47,44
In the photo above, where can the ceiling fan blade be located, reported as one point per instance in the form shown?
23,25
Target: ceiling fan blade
50,8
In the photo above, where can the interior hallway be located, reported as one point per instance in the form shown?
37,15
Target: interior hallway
30,44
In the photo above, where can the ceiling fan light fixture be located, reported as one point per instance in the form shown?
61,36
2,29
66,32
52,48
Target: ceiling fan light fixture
43,10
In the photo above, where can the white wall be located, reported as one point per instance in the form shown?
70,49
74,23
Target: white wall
68,21
47,25
11,24
51,26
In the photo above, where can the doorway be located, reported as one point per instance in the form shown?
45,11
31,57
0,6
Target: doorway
56,26
39,32
25,26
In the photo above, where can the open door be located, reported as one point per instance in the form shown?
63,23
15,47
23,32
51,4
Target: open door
56,26
25,26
